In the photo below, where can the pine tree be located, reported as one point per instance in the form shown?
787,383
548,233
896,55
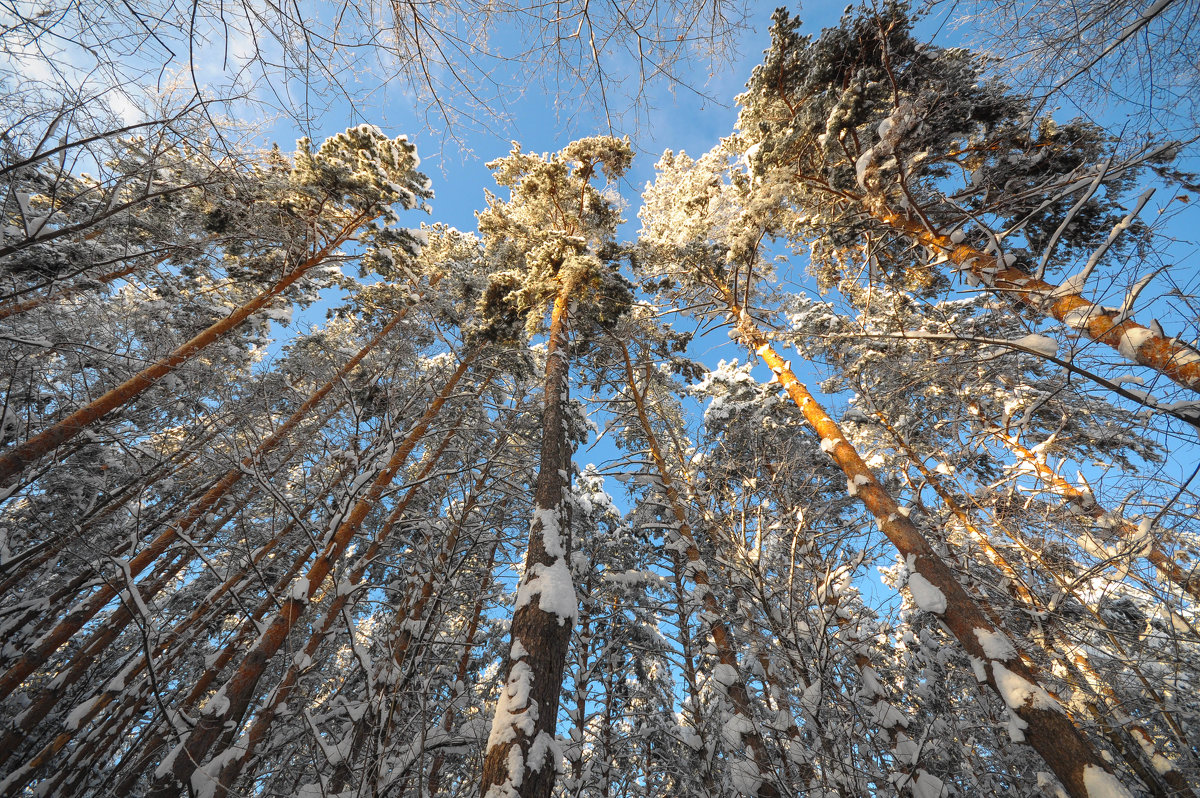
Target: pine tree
547,236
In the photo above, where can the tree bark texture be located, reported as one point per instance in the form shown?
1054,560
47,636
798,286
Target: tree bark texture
521,745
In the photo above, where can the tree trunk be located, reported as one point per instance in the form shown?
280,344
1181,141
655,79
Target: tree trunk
168,649
464,662
1070,658
1139,344
735,690
16,308
262,722
14,461
37,656
235,696
521,746
1086,502
1038,717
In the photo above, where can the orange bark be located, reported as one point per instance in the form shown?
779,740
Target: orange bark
15,308
15,460
1165,355
262,722
74,621
739,696
239,689
134,701
1085,501
1047,728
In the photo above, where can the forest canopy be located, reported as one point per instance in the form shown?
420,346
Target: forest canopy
852,456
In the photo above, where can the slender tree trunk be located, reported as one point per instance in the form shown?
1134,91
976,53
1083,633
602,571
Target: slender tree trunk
1043,722
688,657
464,662
173,646
200,688
23,632
97,642
16,459
262,722
521,744
1135,342
134,700
24,567
16,308
1085,501
416,606
734,688
235,696
69,626
21,568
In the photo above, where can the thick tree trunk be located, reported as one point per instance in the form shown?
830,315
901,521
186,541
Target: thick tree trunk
1084,678
521,747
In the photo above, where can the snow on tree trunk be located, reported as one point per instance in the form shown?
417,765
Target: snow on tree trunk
460,679
343,772
37,656
247,745
1139,536
1064,302
522,755
16,460
185,759
1036,717
135,700
754,774
15,308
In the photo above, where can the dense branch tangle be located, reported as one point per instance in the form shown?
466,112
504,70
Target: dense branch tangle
367,563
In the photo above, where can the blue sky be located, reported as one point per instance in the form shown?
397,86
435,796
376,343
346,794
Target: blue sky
678,119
